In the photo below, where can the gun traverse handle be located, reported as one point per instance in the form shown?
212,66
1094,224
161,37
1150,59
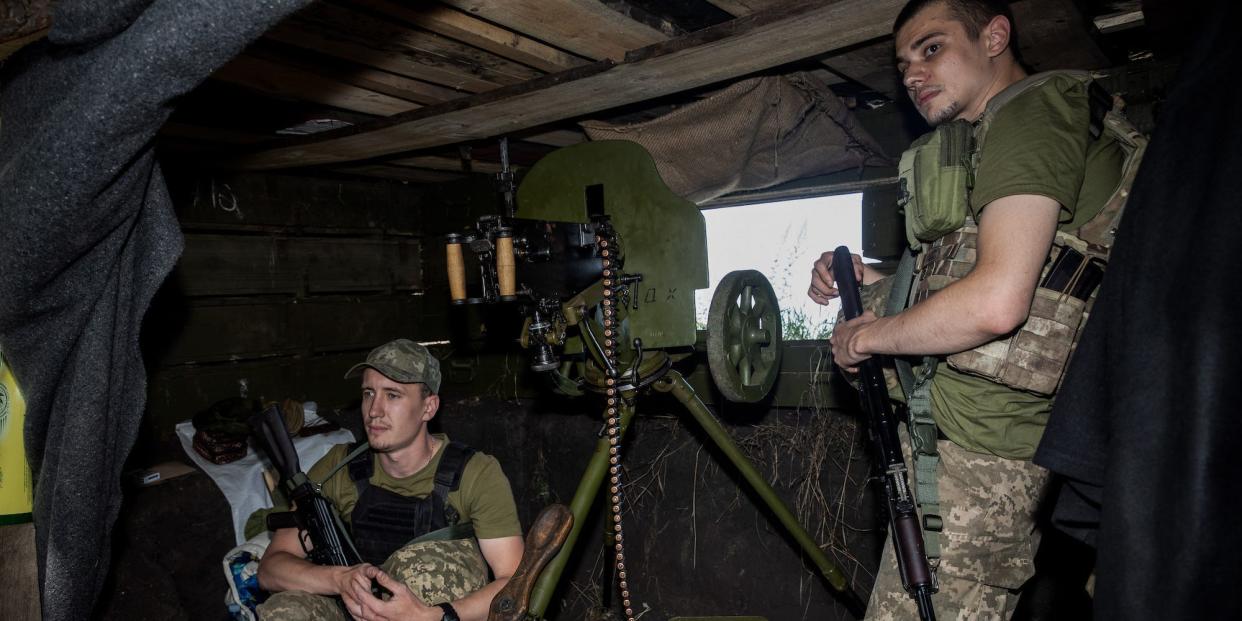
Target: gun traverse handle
543,541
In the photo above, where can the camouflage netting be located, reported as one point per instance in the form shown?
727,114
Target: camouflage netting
754,134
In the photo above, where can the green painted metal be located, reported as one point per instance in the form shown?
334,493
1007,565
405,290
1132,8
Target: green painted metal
744,336
662,235
663,238
580,506
676,384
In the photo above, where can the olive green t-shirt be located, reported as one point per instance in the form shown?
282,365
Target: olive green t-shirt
1039,143
483,498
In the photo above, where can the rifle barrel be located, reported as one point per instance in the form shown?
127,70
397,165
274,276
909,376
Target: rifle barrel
906,534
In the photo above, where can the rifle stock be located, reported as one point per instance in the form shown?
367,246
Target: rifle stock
906,534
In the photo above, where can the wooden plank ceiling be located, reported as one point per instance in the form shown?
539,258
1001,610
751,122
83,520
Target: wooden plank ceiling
421,90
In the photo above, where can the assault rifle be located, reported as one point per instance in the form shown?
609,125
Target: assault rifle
906,534
313,515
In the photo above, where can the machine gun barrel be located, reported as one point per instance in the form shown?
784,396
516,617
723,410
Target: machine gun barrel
906,533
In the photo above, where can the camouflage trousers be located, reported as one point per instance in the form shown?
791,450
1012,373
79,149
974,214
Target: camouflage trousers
435,571
988,544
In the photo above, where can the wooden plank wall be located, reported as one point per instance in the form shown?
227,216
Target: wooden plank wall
287,280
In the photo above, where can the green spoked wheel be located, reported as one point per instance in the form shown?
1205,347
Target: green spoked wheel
744,336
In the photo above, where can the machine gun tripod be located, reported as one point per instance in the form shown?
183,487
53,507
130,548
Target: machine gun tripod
655,370
607,283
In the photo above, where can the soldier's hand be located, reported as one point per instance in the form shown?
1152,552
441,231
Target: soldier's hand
845,348
402,606
823,285
350,584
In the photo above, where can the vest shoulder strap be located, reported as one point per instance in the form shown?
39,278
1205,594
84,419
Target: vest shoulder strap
357,451
448,473
1104,120
1029,82
1098,97
361,467
452,466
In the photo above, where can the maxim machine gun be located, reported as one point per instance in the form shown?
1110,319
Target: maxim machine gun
603,261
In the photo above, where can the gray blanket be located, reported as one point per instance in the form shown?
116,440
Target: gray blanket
87,234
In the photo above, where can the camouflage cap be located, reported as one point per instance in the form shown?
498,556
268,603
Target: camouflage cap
402,361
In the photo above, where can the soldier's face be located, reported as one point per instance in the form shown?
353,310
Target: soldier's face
395,414
944,70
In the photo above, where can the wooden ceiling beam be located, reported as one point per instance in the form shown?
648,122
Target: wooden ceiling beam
452,164
1116,22
22,18
869,65
589,29
1055,34
384,31
23,22
281,80
362,76
329,29
730,50
399,173
459,26
556,137
738,8
643,16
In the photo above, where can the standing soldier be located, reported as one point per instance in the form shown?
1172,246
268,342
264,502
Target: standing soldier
1016,170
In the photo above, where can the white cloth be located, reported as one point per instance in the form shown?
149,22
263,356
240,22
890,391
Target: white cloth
242,480
255,546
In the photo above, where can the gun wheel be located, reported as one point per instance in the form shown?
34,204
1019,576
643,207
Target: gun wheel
744,336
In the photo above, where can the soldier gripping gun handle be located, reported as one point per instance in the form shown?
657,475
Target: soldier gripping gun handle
906,533
313,514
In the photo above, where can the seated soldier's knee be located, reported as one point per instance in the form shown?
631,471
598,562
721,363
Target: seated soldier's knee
299,606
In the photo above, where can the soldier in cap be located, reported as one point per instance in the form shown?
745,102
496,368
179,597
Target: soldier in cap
428,516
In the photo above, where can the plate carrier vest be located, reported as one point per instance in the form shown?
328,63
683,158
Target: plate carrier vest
384,521
1034,357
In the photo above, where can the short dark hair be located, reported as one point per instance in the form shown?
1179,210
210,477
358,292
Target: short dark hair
972,14
424,390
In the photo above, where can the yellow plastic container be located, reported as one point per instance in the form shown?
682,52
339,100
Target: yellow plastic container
16,498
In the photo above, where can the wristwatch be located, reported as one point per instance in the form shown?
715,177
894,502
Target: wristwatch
450,614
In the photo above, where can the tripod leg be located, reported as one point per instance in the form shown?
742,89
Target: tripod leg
580,506
675,383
